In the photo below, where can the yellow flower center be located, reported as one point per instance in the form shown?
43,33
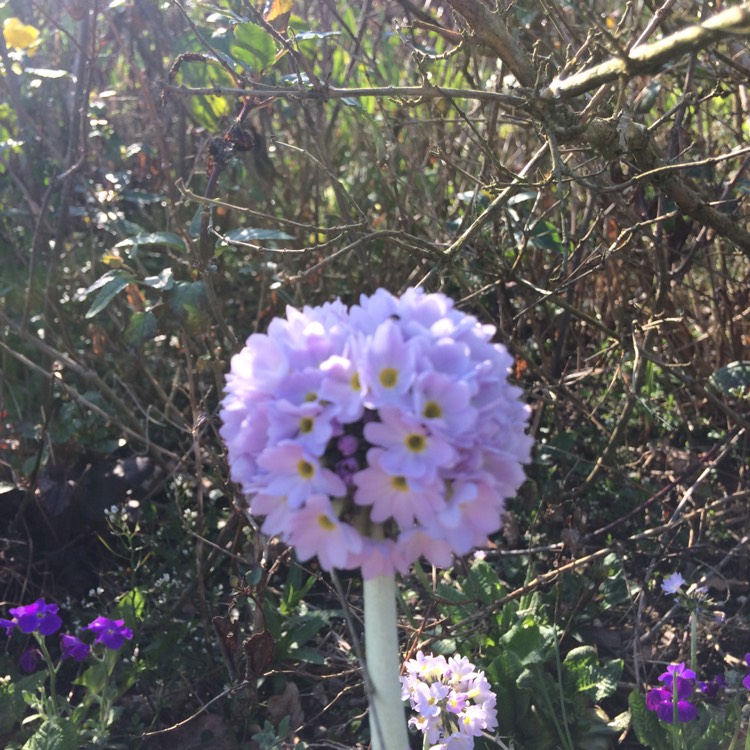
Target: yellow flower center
388,377
306,425
415,442
432,410
399,483
305,469
325,523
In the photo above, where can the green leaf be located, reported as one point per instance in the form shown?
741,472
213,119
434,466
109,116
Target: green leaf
731,376
164,280
54,735
645,723
598,682
108,292
187,303
141,326
253,45
131,607
482,583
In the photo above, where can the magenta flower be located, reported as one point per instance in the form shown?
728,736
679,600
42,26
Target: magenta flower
679,683
73,648
389,427
29,660
111,633
37,617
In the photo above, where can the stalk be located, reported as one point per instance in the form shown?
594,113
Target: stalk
387,721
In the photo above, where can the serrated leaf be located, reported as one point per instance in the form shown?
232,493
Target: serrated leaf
253,45
591,678
248,234
54,735
482,583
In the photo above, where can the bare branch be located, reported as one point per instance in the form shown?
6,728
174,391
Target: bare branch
648,58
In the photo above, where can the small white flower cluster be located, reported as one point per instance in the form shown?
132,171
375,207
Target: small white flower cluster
453,701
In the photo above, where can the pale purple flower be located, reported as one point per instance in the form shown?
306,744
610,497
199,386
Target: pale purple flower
671,584
397,411
316,530
292,471
451,700
111,633
410,449
395,496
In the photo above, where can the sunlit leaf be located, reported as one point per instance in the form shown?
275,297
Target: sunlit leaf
248,234
107,293
276,8
253,45
164,280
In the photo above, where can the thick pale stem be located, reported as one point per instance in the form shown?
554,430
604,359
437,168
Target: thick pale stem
387,721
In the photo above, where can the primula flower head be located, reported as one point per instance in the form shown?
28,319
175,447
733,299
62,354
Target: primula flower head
111,633
38,617
396,412
452,701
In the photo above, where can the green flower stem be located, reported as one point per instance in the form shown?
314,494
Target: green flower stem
387,721
52,669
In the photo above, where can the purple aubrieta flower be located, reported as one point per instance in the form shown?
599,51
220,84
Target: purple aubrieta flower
746,678
387,430
452,701
679,683
29,660
38,617
73,648
111,633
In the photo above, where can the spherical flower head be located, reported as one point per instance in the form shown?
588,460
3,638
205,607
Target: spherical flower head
396,412
38,617
452,701
110,633
73,648
672,584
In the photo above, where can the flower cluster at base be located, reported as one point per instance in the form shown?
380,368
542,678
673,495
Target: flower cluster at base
453,701
42,619
373,435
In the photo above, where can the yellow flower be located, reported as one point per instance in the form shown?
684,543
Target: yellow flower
18,34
